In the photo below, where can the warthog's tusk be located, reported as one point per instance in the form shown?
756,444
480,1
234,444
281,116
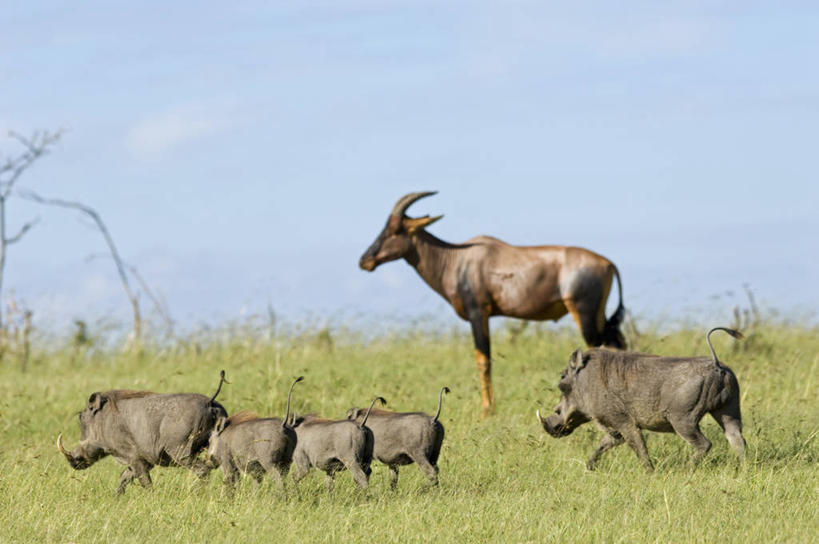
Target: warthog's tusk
60,444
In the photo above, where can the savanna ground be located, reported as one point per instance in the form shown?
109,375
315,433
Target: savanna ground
502,480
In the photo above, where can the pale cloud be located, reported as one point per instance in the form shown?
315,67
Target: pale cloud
79,299
503,42
658,37
160,133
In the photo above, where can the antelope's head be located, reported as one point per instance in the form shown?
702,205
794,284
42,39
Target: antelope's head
395,239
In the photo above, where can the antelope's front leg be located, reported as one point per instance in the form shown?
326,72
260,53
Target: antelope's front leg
480,333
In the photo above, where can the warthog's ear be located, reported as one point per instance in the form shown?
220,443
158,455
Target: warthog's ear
576,361
95,402
352,413
221,423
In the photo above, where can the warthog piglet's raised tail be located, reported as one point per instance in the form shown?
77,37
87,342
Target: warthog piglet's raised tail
383,403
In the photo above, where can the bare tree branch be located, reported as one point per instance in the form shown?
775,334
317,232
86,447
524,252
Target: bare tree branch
16,238
92,213
159,305
35,147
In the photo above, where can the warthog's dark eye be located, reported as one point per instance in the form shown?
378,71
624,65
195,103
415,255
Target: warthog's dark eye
565,387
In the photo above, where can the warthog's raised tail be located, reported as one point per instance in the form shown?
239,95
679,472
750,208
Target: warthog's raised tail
287,413
736,334
221,381
440,398
383,403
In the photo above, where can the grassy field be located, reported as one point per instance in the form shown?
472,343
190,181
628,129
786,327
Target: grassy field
502,480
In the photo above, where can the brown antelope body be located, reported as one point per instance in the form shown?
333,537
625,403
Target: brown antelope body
486,276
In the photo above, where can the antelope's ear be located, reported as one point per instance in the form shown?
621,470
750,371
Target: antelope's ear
413,224
352,413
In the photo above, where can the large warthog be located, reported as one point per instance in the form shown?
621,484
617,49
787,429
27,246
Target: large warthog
625,392
333,445
142,429
247,443
402,438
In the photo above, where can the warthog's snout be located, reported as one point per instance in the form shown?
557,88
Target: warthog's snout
554,425
76,462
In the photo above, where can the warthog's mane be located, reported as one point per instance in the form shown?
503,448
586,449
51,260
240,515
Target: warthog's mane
627,367
243,416
615,369
378,412
309,419
122,394
116,395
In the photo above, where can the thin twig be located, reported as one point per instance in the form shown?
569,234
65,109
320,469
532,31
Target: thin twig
25,228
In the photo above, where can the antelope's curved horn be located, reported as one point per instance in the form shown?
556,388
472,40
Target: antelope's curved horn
539,417
405,201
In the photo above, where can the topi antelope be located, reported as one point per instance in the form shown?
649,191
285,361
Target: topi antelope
485,277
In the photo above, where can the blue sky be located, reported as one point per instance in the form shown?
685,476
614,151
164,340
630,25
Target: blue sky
250,152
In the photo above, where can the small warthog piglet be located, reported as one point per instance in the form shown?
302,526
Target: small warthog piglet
402,438
247,443
332,445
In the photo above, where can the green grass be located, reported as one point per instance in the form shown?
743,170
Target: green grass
502,479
